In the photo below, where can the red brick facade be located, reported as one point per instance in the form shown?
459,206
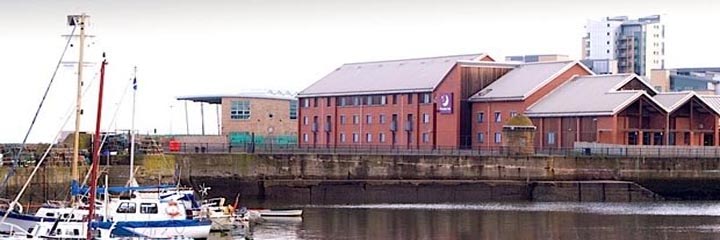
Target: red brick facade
412,118
489,117
403,120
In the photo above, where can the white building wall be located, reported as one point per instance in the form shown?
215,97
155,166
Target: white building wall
602,34
655,41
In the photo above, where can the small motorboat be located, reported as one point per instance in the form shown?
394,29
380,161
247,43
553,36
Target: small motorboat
280,212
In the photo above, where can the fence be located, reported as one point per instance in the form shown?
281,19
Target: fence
580,149
590,148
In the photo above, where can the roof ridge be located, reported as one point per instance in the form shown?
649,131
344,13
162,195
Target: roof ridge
607,75
676,93
418,58
624,91
548,62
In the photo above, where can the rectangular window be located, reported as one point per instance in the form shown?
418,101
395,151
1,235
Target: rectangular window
481,137
425,98
293,109
315,102
342,137
426,137
498,117
306,102
481,117
498,137
126,207
513,114
394,99
368,137
356,101
426,118
342,119
327,102
368,119
148,208
356,137
343,101
381,137
551,138
382,118
356,119
383,100
240,110
305,137
305,120
410,98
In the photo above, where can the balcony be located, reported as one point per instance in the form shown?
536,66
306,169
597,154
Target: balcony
314,127
393,126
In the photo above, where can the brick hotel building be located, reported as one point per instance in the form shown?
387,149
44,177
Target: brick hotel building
465,100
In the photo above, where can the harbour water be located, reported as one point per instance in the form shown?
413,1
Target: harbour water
522,220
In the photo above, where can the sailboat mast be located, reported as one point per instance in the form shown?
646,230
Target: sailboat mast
96,153
132,129
80,20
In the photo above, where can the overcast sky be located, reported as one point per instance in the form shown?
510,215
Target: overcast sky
209,47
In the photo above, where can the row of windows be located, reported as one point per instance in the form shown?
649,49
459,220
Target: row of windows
367,100
497,116
368,119
240,110
425,118
481,137
368,138
425,138
130,207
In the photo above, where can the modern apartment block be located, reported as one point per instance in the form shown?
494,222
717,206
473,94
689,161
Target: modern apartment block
537,58
704,80
623,45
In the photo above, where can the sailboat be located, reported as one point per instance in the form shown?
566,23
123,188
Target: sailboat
119,217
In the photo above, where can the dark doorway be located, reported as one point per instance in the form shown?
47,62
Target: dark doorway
658,138
708,139
632,138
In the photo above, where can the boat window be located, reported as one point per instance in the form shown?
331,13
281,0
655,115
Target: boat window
148,208
126,207
49,214
76,232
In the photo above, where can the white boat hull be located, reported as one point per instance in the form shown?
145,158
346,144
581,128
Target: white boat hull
280,213
170,232
23,221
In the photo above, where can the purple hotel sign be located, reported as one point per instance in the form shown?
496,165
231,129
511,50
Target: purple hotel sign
445,103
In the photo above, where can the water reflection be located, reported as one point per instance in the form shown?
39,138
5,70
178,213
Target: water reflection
500,221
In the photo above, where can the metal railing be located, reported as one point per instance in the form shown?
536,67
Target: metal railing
365,149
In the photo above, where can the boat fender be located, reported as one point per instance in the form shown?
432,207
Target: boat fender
172,210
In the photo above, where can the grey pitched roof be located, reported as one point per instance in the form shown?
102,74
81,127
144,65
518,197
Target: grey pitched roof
672,100
522,81
588,96
261,94
712,100
408,75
